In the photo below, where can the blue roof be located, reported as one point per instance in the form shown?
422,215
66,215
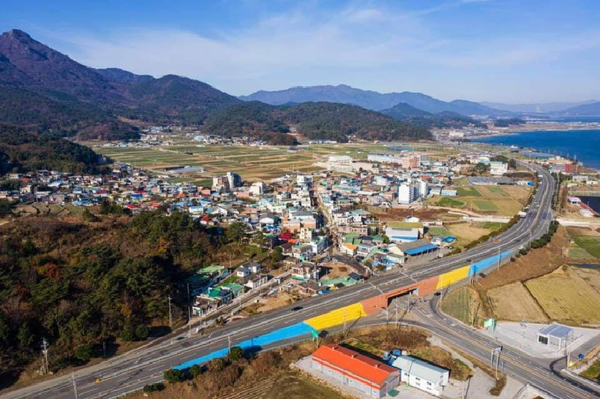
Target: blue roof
420,250
556,330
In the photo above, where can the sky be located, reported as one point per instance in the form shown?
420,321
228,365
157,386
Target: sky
513,51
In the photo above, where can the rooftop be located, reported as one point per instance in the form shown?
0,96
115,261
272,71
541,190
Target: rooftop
556,330
362,366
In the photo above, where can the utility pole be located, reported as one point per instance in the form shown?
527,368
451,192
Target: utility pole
170,315
228,343
345,317
495,359
46,367
498,267
74,385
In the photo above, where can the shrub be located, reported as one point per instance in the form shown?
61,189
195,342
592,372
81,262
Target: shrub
84,353
142,332
173,376
236,353
195,371
159,386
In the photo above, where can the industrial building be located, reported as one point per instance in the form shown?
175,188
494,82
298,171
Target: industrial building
374,379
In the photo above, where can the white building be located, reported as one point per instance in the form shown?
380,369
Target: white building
498,168
234,179
408,192
258,188
385,158
422,375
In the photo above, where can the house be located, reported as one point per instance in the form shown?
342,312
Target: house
422,375
348,249
305,271
247,269
255,281
372,378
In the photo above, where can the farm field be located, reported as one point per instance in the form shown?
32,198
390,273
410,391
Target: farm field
467,232
253,163
566,296
585,243
493,200
438,231
513,302
589,244
485,205
468,191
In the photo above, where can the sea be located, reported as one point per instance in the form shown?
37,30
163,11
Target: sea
581,144
592,202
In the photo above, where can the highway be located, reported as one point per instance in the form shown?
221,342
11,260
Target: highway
135,369
514,363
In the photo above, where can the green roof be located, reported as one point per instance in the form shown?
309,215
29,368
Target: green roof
213,292
377,238
210,269
405,225
233,286
346,281
350,236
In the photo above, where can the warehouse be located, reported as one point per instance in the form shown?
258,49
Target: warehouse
373,378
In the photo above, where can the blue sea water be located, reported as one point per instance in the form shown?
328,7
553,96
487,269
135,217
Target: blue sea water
582,144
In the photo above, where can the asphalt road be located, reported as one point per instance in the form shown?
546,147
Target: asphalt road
516,364
133,370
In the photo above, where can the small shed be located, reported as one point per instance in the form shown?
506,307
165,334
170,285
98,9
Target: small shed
555,335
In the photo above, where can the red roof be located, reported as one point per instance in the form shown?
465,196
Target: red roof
286,235
358,365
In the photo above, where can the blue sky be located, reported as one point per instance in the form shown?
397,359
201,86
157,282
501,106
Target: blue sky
515,51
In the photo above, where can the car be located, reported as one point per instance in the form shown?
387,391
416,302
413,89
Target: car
296,308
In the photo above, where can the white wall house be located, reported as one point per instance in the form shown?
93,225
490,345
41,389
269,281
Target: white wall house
422,375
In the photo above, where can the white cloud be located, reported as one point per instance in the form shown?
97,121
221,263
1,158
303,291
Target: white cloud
305,47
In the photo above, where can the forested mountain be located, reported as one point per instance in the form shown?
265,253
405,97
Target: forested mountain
79,283
73,97
24,151
446,119
368,99
322,120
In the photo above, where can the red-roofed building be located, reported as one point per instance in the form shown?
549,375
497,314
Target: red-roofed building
372,377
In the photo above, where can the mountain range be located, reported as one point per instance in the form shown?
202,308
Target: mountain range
370,99
541,108
44,90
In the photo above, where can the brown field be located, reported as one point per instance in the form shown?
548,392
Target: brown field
591,276
513,302
536,263
565,296
466,232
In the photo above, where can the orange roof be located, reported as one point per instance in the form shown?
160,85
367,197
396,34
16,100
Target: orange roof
351,247
362,366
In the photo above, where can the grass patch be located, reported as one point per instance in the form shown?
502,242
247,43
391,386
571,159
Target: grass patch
492,225
438,231
590,244
498,190
592,372
484,205
468,191
463,304
296,386
451,203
